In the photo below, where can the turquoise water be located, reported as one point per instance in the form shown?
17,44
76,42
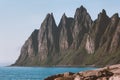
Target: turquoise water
34,73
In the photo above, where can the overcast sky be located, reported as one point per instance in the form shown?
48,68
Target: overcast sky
18,18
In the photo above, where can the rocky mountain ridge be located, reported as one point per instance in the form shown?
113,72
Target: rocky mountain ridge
75,41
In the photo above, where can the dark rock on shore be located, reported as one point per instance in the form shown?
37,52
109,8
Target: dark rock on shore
106,73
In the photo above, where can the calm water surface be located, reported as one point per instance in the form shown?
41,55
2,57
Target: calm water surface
34,73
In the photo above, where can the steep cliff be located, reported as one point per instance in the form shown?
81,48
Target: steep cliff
29,51
74,42
82,24
65,32
47,38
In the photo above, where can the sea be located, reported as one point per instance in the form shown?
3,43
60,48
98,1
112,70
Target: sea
35,73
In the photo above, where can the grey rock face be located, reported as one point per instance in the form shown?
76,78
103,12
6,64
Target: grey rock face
99,27
75,41
29,50
47,37
82,23
90,46
109,32
65,32
115,44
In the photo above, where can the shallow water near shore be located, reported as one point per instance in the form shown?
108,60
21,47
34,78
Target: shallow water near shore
35,73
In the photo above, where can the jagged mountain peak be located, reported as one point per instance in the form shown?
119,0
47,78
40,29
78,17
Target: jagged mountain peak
64,21
102,14
49,14
116,15
81,16
82,8
80,12
104,11
49,21
49,17
82,24
65,32
47,37
115,18
72,40
64,17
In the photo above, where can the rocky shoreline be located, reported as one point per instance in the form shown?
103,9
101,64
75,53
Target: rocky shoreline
107,73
